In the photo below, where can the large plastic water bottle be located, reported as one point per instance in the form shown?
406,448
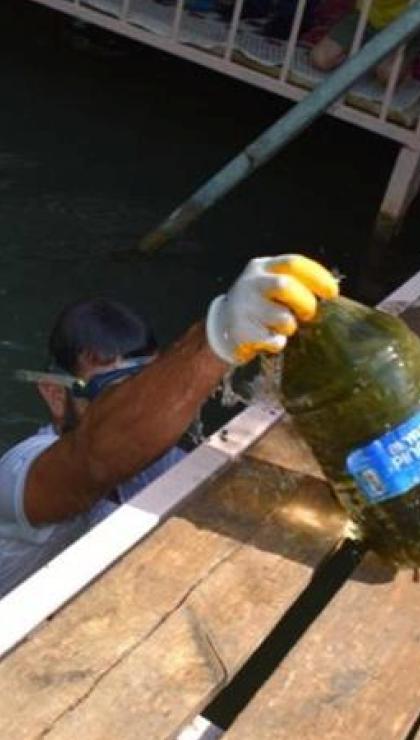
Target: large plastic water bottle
351,380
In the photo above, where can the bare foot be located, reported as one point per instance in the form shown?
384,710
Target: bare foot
327,54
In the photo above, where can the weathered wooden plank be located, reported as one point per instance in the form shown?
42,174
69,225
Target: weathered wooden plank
283,446
62,578
151,642
355,673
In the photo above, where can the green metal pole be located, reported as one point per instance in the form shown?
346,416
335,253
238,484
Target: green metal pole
286,128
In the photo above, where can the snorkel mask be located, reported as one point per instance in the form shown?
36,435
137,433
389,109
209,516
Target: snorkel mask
90,389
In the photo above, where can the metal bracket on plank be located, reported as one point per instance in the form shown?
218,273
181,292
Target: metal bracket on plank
244,429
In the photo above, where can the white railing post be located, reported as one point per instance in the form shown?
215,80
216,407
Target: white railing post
361,27
392,83
179,9
236,15
125,10
291,44
393,80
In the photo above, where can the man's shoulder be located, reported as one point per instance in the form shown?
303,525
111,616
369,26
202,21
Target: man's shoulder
14,466
30,446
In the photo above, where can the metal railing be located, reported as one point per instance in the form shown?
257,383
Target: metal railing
221,47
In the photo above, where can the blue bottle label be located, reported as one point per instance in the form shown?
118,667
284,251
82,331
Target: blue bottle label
389,466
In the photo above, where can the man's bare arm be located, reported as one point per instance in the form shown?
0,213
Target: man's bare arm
123,431
133,424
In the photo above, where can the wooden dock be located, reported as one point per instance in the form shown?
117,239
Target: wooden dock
255,560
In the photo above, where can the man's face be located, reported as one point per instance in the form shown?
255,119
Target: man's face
65,405
66,410
88,368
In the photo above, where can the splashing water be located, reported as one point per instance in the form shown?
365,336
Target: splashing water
262,387
246,386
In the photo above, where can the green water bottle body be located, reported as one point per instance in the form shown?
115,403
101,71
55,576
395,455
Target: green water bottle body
351,381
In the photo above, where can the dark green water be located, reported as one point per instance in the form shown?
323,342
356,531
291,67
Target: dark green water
95,149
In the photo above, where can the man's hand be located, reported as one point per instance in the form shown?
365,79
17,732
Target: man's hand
264,306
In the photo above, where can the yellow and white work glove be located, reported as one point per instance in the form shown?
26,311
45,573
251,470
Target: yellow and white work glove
264,306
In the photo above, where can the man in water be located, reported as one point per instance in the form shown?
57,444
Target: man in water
118,407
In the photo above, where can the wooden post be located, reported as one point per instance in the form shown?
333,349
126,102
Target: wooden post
402,189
